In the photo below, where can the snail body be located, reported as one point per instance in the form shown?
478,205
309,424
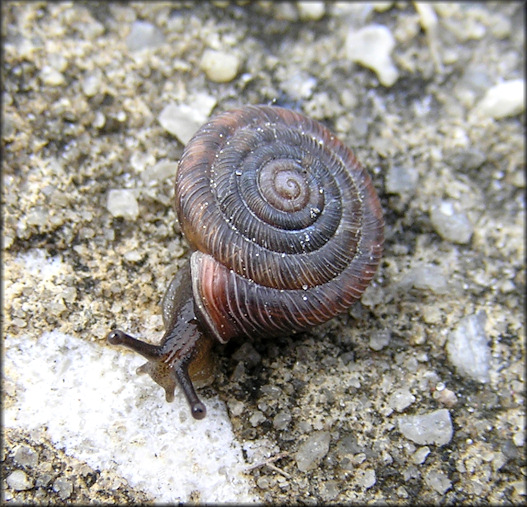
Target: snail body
286,230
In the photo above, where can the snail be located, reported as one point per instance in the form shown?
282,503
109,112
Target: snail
286,231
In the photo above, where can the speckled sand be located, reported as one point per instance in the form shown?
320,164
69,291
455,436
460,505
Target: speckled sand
415,395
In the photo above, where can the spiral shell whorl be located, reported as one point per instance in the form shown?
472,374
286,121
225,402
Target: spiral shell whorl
275,198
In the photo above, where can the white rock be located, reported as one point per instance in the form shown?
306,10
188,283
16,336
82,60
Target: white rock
451,224
19,481
92,404
122,203
438,480
366,478
183,120
467,347
51,77
504,99
432,428
161,171
219,66
144,35
401,399
311,11
371,46
427,277
312,450
379,339
401,179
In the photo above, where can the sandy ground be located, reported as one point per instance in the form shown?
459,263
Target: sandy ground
315,418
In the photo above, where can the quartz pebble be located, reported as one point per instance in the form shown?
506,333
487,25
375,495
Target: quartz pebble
401,179
282,420
467,347
401,399
420,455
19,481
431,428
63,487
438,480
450,224
366,478
504,99
427,277
123,203
371,47
312,450
25,456
380,339
51,77
311,11
159,172
219,66
144,35
183,120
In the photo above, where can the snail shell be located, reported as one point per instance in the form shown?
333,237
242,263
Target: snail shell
287,232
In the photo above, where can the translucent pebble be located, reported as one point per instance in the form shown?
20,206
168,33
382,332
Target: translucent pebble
467,347
401,399
431,428
220,66
312,450
371,46
63,487
19,481
123,203
450,224
401,179
504,99
144,35
183,120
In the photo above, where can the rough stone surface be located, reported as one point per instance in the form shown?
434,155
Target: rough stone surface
80,117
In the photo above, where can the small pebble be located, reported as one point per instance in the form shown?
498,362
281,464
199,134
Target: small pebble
366,478
63,487
467,347
446,397
91,83
401,180
219,66
380,339
371,46
257,418
160,172
144,35
427,277
282,420
311,11
299,86
401,399
19,481
25,456
183,120
123,203
420,455
438,481
312,450
449,224
504,99
431,428
51,77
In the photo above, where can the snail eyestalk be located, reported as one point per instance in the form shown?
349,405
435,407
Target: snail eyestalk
168,365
